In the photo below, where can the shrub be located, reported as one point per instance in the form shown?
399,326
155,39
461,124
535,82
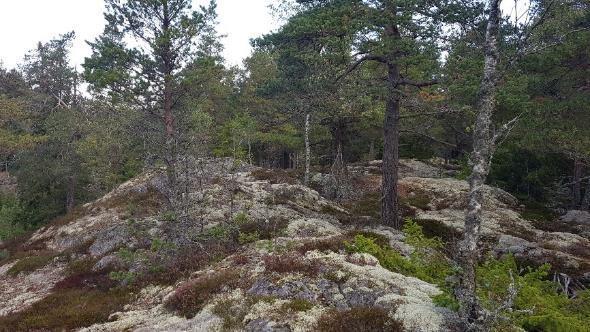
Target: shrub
31,263
192,296
297,305
436,228
245,238
334,243
538,305
10,210
67,310
291,263
388,258
233,311
364,319
420,201
275,176
369,205
265,230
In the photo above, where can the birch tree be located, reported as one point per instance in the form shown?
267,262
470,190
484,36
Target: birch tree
483,148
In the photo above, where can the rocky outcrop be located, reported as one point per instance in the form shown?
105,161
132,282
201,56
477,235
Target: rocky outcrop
19,292
444,201
292,267
576,217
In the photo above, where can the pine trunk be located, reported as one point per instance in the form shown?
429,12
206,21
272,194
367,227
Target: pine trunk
389,199
577,183
307,149
585,205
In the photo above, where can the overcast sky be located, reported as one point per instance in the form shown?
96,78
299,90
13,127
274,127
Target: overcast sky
23,23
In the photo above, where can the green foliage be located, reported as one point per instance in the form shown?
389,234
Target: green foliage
426,262
420,201
244,238
525,172
446,300
124,277
67,309
168,216
10,210
31,263
297,305
548,310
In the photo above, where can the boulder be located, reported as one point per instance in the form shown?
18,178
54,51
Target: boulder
576,217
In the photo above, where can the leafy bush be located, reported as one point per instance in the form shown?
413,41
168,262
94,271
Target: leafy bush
191,296
538,305
10,210
426,262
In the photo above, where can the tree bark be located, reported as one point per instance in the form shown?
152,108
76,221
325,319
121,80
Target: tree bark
585,205
167,68
389,199
483,148
577,183
307,149
71,194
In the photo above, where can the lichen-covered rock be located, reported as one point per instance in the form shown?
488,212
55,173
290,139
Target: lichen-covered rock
20,292
444,201
313,227
576,217
316,276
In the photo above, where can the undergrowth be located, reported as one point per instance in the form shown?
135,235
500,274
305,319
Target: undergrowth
67,309
538,306
31,263
360,319
191,297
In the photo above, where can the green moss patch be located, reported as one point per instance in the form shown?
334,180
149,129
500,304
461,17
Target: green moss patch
420,201
297,305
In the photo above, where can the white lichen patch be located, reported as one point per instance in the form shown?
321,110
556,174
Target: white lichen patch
20,292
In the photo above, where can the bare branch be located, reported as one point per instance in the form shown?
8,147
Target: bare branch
506,128
358,63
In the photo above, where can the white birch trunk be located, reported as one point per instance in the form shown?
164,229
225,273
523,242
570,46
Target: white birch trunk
483,148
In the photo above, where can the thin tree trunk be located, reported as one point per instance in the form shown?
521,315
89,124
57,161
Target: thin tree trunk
71,194
389,199
307,150
168,68
585,205
577,187
483,148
